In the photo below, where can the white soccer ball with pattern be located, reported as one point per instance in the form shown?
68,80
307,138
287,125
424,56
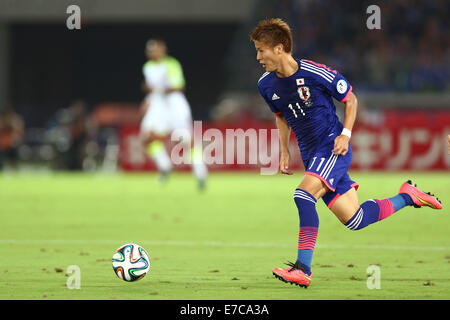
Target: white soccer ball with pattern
130,262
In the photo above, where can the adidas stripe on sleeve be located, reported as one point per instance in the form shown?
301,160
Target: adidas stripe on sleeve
333,82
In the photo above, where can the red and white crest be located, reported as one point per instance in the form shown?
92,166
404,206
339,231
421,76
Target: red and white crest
304,93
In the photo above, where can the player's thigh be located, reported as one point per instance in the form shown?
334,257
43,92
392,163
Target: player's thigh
155,124
313,185
178,104
346,205
147,132
184,124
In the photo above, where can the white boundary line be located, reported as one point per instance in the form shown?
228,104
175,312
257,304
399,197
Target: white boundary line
216,244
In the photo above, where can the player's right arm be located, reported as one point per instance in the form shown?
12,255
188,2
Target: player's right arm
284,134
281,123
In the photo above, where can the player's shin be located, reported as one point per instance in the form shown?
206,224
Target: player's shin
309,225
199,167
157,151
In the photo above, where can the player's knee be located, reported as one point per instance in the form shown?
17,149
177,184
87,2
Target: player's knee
306,205
313,185
303,200
155,147
146,138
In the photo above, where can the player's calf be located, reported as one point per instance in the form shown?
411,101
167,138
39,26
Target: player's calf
158,153
308,229
375,210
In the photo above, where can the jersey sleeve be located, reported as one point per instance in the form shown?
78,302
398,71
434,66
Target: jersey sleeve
333,82
272,107
339,88
175,74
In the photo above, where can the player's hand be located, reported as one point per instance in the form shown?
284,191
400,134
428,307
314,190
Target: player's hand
170,90
284,163
341,145
146,88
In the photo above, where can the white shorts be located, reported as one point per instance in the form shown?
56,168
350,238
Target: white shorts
166,113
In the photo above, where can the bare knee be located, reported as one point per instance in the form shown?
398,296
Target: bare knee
346,206
147,138
313,186
344,215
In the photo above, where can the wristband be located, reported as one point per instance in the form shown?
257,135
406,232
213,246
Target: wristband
346,132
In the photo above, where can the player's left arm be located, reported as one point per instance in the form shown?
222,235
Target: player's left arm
341,142
340,89
176,81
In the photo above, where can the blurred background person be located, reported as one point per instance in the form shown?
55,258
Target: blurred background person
77,125
69,131
166,109
12,132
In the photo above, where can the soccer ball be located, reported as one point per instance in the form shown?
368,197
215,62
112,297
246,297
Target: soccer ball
130,262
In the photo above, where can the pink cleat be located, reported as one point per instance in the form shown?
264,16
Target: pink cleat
293,275
420,198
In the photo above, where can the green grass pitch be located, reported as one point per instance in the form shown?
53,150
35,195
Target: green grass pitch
219,244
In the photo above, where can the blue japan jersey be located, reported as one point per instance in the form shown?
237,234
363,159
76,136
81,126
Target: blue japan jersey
305,100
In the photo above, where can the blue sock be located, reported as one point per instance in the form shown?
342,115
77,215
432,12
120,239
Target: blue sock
305,258
309,225
367,213
401,200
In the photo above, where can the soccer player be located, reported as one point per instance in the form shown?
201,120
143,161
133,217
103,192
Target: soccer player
300,93
166,109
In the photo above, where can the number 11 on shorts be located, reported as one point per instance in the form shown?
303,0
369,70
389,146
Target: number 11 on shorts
320,163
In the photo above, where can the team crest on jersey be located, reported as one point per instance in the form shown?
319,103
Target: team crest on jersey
304,93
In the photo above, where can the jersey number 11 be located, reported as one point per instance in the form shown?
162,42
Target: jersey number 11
298,107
